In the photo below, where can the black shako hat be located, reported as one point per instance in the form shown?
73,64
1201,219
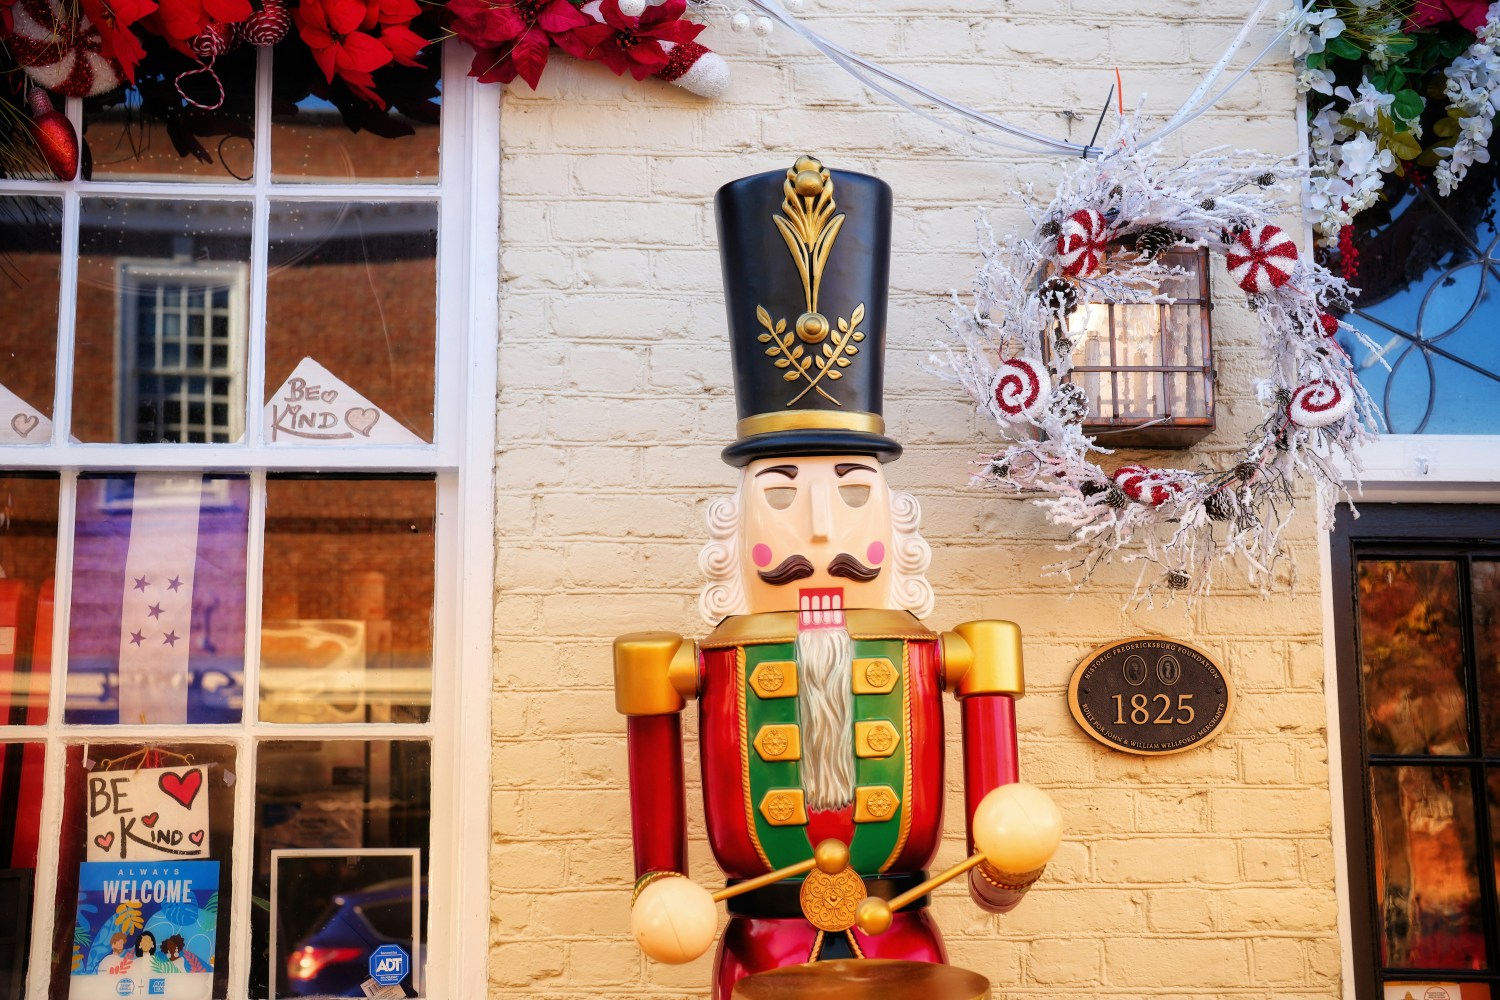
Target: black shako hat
807,256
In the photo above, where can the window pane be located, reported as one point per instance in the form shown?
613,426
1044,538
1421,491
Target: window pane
157,630
155,279
1435,989
149,133
1426,871
1412,657
321,808
346,630
1486,599
172,901
351,313
323,133
21,791
30,254
28,559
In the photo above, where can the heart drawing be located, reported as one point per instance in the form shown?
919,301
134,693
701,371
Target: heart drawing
148,820
105,841
24,423
361,418
183,787
196,837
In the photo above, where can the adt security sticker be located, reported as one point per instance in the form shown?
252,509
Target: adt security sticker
389,964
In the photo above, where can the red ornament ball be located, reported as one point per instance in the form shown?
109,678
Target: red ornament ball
54,135
1081,243
1329,323
1261,259
268,25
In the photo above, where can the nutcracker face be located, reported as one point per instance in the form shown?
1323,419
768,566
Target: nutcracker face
817,534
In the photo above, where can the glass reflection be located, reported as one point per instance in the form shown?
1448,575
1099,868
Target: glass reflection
147,132
1426,872
21,791
187,935
162,317
346,630
156,632
351,309
1485,589
28,560
1412,657
30,261
342,823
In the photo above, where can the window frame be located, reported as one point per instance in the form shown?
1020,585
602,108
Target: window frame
461,458
1400,530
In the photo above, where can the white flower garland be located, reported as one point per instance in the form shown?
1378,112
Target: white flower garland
1184,522
1473,88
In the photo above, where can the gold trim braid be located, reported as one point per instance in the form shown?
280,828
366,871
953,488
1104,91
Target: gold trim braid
810,420
781,626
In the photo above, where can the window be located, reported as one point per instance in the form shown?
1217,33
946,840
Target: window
245,546
1417,599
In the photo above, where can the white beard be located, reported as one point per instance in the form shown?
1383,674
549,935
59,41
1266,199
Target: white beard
825,697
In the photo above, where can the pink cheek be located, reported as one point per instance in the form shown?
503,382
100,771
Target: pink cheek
875,554
762,554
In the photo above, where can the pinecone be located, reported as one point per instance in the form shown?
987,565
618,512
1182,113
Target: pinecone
1266,179
1049,229
1218,507
1153,242
1178,580
1116,498
1070,403
1283,398
1062,344
1093,487
1208,204
999,469
1245,471
1058,295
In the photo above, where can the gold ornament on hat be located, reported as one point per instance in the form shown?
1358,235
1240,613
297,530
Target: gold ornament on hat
810,227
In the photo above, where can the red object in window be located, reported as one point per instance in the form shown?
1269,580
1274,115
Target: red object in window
306,963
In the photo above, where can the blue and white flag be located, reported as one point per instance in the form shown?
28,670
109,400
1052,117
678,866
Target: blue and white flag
157,631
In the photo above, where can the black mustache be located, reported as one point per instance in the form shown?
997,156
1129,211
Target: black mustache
791,569
846,565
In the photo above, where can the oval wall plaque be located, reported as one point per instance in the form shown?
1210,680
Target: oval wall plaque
1150,696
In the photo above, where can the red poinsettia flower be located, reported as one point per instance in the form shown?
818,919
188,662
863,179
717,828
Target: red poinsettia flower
512,38
624,43
1469,13
113,19
180,21
331,30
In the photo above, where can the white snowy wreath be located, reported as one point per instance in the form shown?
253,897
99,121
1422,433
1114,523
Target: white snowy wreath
1100,240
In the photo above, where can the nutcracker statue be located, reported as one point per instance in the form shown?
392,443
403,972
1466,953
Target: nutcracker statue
820,693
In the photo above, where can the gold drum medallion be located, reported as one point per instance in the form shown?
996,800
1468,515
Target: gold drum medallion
829,901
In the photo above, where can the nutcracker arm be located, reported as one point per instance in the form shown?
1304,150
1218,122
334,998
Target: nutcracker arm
655,672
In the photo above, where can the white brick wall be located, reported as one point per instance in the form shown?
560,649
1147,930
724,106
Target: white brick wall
1204,874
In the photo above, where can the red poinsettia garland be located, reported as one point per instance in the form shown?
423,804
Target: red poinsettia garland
631,44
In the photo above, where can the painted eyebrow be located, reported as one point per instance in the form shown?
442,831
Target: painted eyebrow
790,471
844,468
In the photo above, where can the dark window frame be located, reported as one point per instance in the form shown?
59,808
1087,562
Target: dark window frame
1402,530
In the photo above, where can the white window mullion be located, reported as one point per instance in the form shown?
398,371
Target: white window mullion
255,357
240,865
49,840
67,313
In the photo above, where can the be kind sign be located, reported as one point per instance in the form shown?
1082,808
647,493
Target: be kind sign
148,815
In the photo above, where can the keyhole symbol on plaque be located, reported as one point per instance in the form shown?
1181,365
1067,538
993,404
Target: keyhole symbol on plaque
1134,669
1168,670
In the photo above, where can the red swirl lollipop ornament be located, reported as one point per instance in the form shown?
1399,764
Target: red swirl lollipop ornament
1022,389
1152,487
1320,403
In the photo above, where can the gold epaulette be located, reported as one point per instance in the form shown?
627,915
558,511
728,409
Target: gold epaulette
655,673
983,657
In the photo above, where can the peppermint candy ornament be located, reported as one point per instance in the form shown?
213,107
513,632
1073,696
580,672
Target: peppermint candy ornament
1151,487
216,39
268,25
1022,389
1319,403
1261,258
1081,243
60,51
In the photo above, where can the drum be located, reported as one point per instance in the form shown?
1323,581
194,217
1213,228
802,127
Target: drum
864,979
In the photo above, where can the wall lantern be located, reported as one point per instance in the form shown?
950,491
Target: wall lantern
1148,368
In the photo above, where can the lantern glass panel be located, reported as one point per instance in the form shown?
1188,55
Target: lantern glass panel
1146,367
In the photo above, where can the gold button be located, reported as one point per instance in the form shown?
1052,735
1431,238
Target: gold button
784,807
779,742
874,675
875,803
775,679
875,739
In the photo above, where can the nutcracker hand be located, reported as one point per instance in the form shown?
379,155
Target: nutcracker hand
674,920
1018,828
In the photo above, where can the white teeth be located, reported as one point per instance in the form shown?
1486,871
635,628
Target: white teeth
806,602
838,601
825,603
